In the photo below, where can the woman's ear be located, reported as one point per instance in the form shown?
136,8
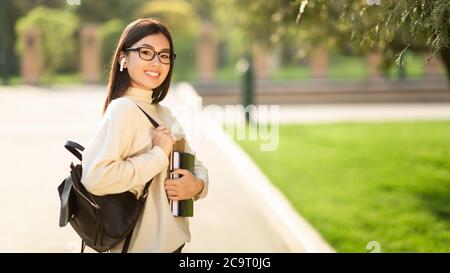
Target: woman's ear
122,61
122,55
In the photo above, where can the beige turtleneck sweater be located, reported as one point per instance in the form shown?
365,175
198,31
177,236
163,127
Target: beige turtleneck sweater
121,157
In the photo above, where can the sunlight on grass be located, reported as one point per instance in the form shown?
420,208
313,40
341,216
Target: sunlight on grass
357,182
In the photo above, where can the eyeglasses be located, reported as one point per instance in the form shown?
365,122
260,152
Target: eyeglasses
148,54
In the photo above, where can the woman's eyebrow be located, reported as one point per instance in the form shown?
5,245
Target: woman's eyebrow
147,45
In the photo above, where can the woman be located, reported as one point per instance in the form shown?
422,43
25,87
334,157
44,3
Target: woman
127,151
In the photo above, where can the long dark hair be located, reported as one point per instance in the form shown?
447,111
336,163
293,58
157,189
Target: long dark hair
118,82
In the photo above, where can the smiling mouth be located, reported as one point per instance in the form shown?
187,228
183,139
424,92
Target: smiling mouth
152,74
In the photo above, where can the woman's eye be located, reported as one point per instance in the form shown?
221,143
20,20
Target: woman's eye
147,52
165,56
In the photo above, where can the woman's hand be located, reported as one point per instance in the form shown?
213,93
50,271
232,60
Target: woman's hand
183,188
163,138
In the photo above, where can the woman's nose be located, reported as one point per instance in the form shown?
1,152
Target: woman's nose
154,61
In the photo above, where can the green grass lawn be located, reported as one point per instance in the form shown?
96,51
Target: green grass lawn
414,67
340,68
346,67
362,182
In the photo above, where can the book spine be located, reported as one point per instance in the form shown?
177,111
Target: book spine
175,165
183,208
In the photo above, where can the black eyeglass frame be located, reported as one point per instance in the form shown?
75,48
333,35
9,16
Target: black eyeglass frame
138,49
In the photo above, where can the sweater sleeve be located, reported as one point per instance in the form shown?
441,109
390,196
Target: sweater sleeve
106,167
200,171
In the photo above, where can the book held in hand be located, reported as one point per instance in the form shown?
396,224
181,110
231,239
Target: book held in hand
181,160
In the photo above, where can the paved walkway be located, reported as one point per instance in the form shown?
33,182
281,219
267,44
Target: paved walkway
36,123
325,113
364,112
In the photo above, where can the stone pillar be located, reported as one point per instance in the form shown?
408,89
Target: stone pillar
433,67
207,52
373,60
31,63
90,55
261,61
319,62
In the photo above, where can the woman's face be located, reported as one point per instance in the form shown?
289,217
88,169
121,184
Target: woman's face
145,73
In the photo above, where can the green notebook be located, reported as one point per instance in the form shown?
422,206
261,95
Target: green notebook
182,160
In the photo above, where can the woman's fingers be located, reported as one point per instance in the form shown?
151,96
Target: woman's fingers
172,192
169,134
170,187
182,172
172,195
160,128
163,130
170,184
166,132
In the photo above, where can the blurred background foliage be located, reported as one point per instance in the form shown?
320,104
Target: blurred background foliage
110,32
55,26
352,26
402,30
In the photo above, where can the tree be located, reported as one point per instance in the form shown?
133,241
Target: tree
110,33
403,24
8,60
58,28
394,25
10,11
101,11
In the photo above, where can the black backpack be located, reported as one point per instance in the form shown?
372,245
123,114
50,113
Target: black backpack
102,222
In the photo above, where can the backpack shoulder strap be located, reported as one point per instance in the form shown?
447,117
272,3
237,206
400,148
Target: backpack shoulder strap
152,121
74,148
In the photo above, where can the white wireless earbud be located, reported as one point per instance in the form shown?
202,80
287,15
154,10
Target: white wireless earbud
122,63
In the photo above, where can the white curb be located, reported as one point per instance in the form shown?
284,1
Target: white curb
297,234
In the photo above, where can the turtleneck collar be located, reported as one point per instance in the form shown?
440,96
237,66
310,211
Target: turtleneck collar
139,94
